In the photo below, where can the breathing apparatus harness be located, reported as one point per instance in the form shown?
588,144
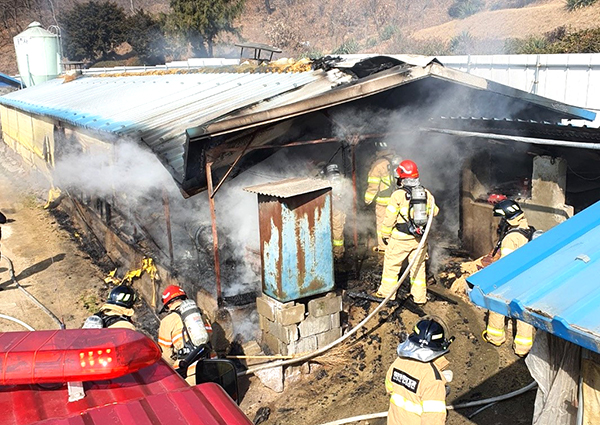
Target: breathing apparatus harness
504,230
108,319
416,194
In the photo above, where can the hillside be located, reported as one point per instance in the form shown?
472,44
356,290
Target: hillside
535,19
315,28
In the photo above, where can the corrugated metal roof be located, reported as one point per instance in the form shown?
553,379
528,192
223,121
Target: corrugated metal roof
552,282
156,108
290,187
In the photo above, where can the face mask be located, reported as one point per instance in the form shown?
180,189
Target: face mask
414,351
411,182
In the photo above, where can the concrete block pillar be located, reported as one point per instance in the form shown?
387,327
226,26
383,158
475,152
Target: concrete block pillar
546,208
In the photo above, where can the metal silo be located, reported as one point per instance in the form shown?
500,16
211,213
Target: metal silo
38,54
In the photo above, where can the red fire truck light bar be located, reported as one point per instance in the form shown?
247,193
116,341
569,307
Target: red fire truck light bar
73,355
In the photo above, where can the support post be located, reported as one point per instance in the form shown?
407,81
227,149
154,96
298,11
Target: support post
354,195
168,223
213,219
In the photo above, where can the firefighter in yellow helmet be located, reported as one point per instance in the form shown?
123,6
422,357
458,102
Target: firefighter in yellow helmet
402,228
338,216
380,186
514,232
416,381
182,333
116,312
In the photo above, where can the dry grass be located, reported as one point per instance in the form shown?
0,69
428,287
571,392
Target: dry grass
535,19
338,355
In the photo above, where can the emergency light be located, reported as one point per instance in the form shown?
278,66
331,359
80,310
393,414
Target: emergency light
73,355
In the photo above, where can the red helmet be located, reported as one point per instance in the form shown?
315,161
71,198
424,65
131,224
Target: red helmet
170,293
407,170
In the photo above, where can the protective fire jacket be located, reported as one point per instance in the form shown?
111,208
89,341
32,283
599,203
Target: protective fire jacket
398,212
514,239
379,181
170,335
117,310
417,393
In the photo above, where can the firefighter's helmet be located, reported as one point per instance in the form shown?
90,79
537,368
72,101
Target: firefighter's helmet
507,209
122,295
381,146
171,293
332,170
431,334
407,170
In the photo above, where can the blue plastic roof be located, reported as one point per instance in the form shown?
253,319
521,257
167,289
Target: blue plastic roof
553,282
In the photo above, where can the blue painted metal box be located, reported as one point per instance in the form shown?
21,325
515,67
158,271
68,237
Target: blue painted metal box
295,238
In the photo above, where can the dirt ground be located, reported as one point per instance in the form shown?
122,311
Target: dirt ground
50,263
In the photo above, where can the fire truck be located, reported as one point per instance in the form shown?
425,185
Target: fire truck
108,376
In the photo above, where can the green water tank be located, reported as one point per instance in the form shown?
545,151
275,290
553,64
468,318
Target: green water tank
38,54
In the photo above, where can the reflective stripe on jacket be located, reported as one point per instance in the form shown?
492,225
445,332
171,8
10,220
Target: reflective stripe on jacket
379,182
170,336
417,393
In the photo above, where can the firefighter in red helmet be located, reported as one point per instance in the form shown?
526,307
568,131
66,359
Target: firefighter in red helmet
403,226
182,330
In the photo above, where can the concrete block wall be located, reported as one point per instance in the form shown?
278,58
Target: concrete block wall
298,327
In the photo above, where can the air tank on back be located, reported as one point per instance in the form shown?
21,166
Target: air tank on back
38,54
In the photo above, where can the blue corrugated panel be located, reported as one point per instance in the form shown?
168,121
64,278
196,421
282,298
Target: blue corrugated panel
553,282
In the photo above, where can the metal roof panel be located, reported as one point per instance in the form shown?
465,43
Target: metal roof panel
289,188
552,282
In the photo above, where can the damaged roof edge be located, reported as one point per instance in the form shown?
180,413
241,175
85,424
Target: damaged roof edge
471,80
365,87
372,85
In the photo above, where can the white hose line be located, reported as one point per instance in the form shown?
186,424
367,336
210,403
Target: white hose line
358,326
493,399
11,271
20,322
450,407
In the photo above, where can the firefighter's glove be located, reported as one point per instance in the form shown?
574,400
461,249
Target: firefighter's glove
385,240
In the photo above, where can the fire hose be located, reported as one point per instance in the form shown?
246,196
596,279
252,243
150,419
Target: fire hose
348,334
486,402
20,322
11,271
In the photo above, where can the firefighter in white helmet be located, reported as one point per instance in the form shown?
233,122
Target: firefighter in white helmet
514,232
182,333
416,381
380,186
404,224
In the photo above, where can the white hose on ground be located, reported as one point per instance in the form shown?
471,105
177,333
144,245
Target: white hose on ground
348,334
450,407
11,271
20,322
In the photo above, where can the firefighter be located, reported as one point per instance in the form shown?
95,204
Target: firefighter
416,380
380,187
338,216
402,228
514,232
116,312
176,334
